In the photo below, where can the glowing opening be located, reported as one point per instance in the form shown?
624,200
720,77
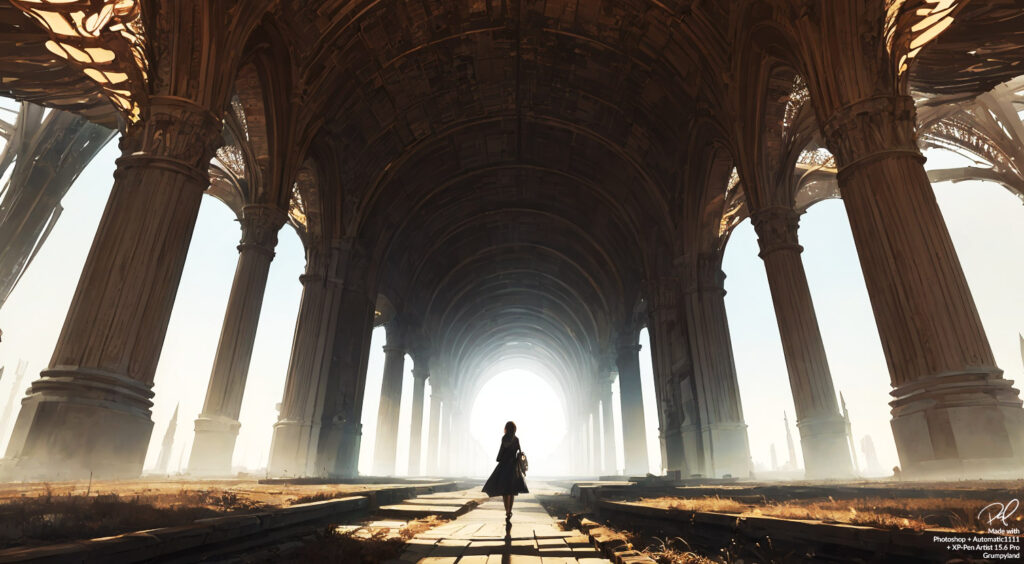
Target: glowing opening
529,400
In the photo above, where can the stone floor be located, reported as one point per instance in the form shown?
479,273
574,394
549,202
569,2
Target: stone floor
480,537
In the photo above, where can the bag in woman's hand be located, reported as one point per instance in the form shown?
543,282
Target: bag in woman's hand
522,463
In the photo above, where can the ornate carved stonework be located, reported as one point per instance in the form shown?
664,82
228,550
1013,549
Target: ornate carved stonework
663,294
178,135
776,229
870,129
260,225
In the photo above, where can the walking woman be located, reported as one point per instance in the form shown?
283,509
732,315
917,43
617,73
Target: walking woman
506,480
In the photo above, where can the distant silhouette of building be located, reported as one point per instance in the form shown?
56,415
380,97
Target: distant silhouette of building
871,465
792,463
849,433
775,459
165,447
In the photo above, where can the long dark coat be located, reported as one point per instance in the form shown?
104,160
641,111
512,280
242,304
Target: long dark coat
506,478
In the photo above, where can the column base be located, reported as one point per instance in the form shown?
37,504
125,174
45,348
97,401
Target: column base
292,447
78,423
730,450
338,450
957,426
825,447
214,446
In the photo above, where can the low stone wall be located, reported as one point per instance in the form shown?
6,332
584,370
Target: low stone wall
825,541
188,542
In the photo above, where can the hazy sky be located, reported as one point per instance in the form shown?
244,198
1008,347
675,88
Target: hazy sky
986,223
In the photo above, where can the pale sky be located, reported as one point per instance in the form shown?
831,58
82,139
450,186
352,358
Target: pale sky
985,221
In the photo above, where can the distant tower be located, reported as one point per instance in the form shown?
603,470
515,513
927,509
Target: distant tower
849,433
775,459
16,392
791,465
872,466
165,447
1021,347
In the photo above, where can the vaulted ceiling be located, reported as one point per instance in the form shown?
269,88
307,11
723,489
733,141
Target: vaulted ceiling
514,169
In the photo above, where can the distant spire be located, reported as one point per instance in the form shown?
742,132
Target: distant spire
1021,347
791,465
16,392
167,444
849,434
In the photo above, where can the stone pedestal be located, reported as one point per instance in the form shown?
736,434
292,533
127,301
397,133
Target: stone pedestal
420,373
953,413
90,411
822,429
217,425
390,404
634,434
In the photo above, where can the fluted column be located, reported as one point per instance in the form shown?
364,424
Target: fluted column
713,393
297,430
953,412
671,364
434,432
596,459
89,413
420,373
607,425
217,425
341,429
634,435
822,429
954,415
390,402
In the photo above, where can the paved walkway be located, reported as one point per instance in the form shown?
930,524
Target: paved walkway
479,537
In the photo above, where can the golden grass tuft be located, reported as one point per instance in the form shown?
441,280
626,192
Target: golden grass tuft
881,512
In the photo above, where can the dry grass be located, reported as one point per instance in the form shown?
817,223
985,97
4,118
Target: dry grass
355,546
887,513
50,518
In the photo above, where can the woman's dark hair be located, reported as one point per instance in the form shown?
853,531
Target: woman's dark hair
510,428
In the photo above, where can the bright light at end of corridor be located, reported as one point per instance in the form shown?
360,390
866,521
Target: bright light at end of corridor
530,401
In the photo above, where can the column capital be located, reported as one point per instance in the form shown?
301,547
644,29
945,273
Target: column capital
394,349
624,349
420,373
178,135
776,228
870,129
702,272
663,294
260,225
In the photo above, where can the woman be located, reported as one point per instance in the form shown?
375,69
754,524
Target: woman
507,480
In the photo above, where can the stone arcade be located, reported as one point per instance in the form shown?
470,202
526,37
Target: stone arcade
537,181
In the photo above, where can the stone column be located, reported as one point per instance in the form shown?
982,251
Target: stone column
670,360
341,429
634,435
822,429
297,430
954,415
444,455
89,413
712,397
953,412
433,434
390,402
217,425
420,373
608,426
596,459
